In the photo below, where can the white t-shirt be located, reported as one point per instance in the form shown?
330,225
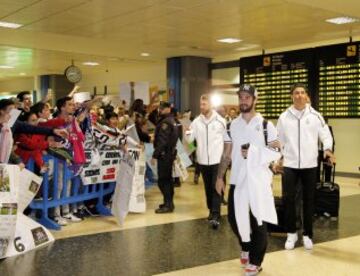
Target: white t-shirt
241,133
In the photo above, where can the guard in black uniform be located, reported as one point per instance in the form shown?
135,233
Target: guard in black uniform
166,136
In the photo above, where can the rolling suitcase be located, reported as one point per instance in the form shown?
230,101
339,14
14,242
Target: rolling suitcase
327,197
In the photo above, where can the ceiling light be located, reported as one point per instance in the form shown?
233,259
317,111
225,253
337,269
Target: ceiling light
6,67
9,25
247,47
229,40
90,63
342,20
145,54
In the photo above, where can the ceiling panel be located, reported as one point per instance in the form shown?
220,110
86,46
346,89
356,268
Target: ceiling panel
161,27
8,7
42,10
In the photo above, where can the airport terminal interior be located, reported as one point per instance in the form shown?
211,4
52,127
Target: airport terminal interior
114,53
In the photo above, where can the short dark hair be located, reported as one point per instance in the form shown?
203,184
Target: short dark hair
22,94
110,115
38,108
4,103
297,85
26,115
61,102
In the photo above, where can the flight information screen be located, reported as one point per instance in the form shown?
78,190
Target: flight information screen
339,80
274,74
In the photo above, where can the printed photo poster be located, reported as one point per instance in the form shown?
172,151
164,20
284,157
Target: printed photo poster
28,235
8,218
105,171
137,198
9,179
135,90
181,152
125,92
189,147
30,185
179,169
149,150
19,233
142,89
123,189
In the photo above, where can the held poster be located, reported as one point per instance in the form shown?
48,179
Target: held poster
19,233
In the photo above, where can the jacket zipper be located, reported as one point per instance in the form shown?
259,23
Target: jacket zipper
207,143
299,140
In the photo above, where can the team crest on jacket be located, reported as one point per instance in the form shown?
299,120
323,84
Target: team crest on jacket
164,126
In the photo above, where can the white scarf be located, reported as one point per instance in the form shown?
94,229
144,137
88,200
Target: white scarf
253,190
6,142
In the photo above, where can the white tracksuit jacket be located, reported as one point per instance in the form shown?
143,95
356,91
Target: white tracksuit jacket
299,137
209,136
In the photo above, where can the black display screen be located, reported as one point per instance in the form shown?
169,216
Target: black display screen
274,74
339,80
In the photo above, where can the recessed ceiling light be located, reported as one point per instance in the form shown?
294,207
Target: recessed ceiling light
9,25
342,20
229,40
6,67
145,54
247,47
90,63
22,74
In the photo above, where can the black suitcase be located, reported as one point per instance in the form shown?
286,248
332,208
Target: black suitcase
280,210
327,197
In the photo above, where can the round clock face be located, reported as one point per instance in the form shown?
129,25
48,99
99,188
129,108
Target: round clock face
73,74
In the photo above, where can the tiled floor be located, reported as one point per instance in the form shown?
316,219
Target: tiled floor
335,258
182,243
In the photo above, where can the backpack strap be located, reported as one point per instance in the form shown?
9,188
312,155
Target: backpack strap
265,130
228,129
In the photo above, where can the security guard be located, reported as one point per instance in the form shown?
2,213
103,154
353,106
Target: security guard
166,136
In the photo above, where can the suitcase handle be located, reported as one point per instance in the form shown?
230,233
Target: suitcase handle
322,164
329,185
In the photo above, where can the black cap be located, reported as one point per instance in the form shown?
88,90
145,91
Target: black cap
249,89
164,105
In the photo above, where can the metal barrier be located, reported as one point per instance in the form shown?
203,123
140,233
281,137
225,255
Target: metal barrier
78,194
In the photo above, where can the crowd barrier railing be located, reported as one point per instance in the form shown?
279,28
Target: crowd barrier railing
50,197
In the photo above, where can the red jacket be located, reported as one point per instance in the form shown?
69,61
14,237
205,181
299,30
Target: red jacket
32,145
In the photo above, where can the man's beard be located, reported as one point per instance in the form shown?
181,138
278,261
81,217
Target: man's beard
206,112
245,108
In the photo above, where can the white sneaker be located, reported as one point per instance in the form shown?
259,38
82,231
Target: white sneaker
308,244
291,241
61,221
252,270
72,218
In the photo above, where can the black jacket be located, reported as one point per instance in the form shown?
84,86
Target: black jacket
166,136
22,127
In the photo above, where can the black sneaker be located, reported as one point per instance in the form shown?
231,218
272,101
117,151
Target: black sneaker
163,205
210,216
164,210
214,224
82,214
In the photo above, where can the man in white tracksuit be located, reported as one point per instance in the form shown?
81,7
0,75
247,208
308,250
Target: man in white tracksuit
251,146
300,128
208,130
